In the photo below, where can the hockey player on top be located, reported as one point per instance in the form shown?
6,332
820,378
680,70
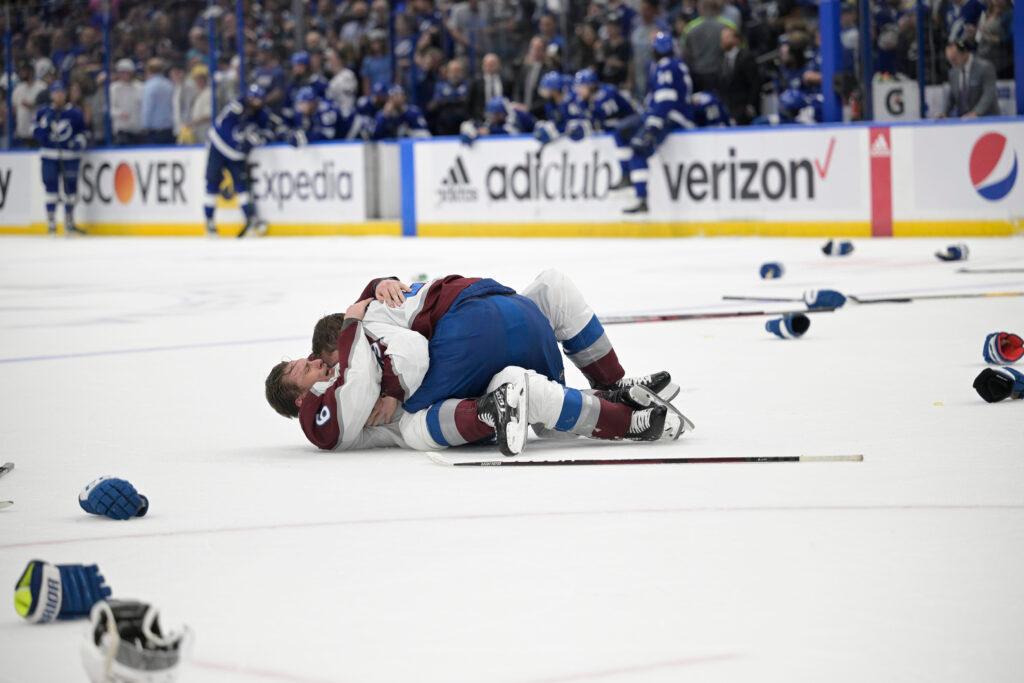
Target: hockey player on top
484,341
667,108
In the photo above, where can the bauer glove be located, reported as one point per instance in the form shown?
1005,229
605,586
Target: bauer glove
65,591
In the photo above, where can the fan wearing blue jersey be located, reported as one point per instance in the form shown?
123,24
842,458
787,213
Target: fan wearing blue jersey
316,119
240,126
666,108
60,131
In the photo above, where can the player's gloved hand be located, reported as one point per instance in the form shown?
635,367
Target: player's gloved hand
545,132
954,252
995,384
253,139
297,138
841,248
114,498
823,298
789,326
1003,348
46,592
644,142
468,133
577,130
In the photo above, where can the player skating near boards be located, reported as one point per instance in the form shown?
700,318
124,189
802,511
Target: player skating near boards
667,107
60,132
241,126
485,342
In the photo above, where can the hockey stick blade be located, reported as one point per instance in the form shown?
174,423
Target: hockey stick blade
5,468
6,504
649,461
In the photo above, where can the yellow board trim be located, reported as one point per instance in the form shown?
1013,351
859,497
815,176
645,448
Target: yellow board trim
389,228
969,228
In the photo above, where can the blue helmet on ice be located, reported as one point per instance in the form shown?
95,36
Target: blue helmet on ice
495,106
305,94
662,43
255,92
585,77
300,57
552,80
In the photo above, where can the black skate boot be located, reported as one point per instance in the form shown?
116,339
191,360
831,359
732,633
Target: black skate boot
72,230
647,424
507,409
639,209
635,397
623,184
658,382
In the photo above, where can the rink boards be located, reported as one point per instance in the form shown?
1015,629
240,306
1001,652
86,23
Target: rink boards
928,179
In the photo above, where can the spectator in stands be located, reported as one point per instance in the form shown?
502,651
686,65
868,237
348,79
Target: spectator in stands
426,75
25,99
972,82
126,104
995,37
450,105
201,113
343,88
198,45
376,66
528,75
488,85
962,17
613,57
739,85
354,22
649,21
467,25
547,28
797,69
702,44
427,24
270,76
184,93
398,119
157,105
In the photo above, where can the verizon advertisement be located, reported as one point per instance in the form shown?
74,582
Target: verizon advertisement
777,175
959,172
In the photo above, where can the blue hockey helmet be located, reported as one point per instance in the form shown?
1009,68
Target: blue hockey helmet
585,77
395,90
300,57
791,101
552,80
496,105
305,94
255,91
380,89
662,43
58,86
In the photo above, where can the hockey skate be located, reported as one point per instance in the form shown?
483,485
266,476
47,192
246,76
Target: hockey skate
640,208
506,409
676,424
659,383
623,184
72,230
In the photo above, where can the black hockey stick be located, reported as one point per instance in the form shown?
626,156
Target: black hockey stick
990,270
5,468
761,298
441,460
932,297
668,317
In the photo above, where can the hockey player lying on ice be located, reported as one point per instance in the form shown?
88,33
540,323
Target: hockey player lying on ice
490,368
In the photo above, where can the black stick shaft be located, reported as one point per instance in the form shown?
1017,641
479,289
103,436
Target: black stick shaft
990,270
657,461
667,317
935,297
760,298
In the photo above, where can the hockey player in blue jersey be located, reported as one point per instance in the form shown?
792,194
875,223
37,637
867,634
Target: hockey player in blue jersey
708,111
241,126
317,119
608,110
666,108
502,118
563,114
370,105
398,119
795,106
60,132
302,78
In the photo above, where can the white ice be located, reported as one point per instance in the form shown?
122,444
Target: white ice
145,359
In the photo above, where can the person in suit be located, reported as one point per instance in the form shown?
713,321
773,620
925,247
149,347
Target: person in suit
739,85
972,82
488,85
528,74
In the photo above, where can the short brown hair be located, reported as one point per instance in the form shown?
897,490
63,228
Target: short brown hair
325,333
281,395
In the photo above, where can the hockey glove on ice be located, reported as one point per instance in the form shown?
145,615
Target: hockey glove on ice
823,298
1003,348
790,326
995,384
46,592
114,498
954,252
833,248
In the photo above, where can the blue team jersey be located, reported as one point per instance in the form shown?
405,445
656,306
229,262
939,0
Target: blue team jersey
238,129
408,124
516,122
60,132
708,111
366,107
668,95
608,107
317,82
569,109
328,123
270,78
446,92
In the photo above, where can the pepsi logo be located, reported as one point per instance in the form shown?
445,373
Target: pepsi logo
993,166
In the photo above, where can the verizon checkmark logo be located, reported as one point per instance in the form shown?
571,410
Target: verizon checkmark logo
822,168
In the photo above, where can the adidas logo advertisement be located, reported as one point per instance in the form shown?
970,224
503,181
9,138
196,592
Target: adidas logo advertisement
455,185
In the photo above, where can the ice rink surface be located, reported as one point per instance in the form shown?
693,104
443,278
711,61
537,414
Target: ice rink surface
145,359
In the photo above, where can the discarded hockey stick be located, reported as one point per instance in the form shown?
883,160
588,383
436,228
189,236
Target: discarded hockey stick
762,298
668,317
6,504
5,468
990,270
442,460
926,297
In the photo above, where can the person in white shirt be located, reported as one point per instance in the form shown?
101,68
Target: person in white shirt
344,85
201,112
126,104
25,97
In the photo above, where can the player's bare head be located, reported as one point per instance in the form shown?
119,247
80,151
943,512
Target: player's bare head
325,336
289,381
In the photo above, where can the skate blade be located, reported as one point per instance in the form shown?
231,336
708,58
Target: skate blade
669,391
516,432
685,424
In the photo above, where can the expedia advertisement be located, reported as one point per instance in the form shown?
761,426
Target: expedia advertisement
789,174
317,184
959,171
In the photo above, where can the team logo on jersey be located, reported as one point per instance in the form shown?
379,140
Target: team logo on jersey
323,416
993,166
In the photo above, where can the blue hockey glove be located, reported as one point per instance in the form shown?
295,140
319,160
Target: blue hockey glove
468,133
545,132
644,142
297,138
842,248
995,384
114,498
771,271
954,252
789,326
823,298
1003,348
46,592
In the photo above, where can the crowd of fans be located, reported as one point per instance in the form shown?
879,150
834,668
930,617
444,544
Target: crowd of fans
451,58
